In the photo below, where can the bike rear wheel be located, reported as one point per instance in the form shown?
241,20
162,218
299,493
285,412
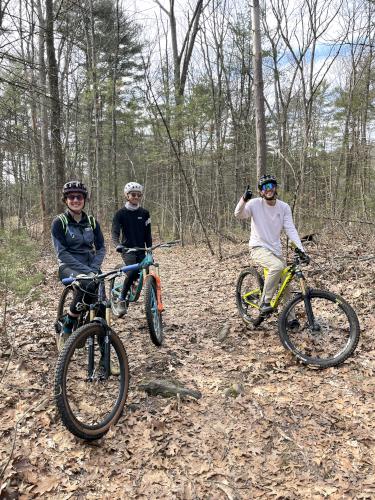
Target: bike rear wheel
89,400
115,286
328,337
249,290
153,315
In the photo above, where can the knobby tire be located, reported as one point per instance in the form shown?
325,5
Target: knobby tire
336,336
249,279
76,395
153,316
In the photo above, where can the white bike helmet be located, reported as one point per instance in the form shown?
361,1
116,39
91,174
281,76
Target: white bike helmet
133,186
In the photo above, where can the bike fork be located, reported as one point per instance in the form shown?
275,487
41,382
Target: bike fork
106,355
310,315
91,359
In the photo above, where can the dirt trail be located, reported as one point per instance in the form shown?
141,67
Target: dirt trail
292,433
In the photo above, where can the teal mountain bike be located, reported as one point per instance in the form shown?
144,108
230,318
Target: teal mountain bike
149,279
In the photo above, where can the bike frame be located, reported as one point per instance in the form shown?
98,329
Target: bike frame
287,275
145,272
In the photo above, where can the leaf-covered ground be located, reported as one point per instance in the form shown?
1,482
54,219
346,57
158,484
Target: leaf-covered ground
292,432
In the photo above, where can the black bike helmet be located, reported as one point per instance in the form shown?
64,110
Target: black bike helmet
266,178
75,187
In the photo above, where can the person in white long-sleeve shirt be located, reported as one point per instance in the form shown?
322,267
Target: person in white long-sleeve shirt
269,217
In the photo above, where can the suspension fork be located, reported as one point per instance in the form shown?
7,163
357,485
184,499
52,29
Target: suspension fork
158,290
104,342
91,359
307,301
91,350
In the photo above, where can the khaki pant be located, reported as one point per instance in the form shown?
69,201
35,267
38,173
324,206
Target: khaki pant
275,265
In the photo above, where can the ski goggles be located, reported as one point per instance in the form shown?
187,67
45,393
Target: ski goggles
268,186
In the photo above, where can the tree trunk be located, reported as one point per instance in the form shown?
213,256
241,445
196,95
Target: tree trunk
260,122
53,79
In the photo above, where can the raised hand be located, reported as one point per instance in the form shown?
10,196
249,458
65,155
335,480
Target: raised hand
247,194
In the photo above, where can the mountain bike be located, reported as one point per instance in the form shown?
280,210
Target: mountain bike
150,280
319,327
92,371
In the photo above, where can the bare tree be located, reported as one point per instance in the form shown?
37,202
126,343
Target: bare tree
258,93
53,79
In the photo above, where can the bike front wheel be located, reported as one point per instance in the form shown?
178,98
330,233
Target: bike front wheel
321,329
249,290
91,383
153,315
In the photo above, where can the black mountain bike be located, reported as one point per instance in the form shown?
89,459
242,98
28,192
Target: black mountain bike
92,371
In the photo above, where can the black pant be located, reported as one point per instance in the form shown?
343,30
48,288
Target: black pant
86,294
131,276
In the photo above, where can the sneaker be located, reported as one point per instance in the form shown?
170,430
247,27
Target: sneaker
61,341
114,369
69,324
119,308
265,308
293,324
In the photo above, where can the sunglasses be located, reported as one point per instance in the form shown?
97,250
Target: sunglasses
138,195
72,197
268,186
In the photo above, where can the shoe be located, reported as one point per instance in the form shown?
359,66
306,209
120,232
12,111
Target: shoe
265,308
119,308
69,324
114,369
61,341
293,324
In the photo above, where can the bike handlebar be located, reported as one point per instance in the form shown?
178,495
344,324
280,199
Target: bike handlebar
124,269
147,249
301,256
100,277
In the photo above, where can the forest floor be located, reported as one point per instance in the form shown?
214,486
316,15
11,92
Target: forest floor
293,432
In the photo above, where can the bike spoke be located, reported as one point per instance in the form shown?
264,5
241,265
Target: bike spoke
248,294
323,336
90,395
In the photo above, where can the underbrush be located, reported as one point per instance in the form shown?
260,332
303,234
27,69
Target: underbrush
18,257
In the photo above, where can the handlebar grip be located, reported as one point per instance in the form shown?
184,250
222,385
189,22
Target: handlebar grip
67,281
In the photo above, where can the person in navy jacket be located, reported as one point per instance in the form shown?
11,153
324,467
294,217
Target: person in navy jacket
79,245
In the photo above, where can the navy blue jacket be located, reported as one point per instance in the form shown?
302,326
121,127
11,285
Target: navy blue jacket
78,247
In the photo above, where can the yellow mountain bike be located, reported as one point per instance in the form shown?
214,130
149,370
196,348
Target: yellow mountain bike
319,327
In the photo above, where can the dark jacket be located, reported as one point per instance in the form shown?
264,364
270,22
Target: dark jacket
79,246
132,228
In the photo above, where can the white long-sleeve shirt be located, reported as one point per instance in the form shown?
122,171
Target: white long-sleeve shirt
267,222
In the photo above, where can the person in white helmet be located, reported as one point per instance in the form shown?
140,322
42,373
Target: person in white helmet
131,227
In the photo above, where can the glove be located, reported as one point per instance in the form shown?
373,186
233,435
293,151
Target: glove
247,194
305,258
86,275
119,248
